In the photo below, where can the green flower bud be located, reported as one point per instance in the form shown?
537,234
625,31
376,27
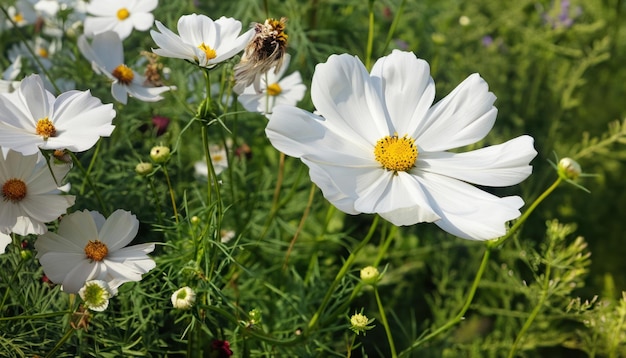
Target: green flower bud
568,168
160,154
359,323
370,275
143,168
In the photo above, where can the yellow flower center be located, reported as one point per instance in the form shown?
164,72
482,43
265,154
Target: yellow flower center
208,51
96,250
396,154
45,128
122,14
274,89
18,17
14,190
42,52
123,74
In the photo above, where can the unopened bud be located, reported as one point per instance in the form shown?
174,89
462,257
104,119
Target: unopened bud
568,168
160,154
370,275
143,168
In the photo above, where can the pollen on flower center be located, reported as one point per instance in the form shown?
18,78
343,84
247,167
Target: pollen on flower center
96,250
123,14
45,128
274,89
208,51
14,190
123,74
396,154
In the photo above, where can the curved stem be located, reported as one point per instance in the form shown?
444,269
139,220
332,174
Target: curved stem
394,25
370,36
340,275
383,318
171,190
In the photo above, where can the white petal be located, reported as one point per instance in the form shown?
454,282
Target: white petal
119,230
142,21
119,92
469,212
463,117
407,88
497,165
81,273
78,227
344,94
5,239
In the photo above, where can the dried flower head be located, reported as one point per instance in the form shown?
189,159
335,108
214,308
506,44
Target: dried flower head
266,50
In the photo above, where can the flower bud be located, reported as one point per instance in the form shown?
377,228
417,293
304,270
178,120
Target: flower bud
143,168
96,294
160,154
370,275
183,298
359,323
26,254
568,168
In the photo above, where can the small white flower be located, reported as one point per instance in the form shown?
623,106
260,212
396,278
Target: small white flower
32,118
89,247
219,159
375,145
276,90
96,295
201,40
106,55
183,298
30,194
120,16
8,82
22,14
5,239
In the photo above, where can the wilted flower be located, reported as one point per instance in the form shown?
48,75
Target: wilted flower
96,294
32,118
88,246
106,55
275,90
375,145
266,50
120,16
30,193
201,40
183,298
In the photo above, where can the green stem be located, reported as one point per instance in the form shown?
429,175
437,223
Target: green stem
157,201
342,273
305,214
103,206
370,36
64,339
534,313
36,316
394,25
459,317
522,219
171,190
13,277
91,164
383,318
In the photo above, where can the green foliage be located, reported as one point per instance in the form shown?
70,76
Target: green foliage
276,288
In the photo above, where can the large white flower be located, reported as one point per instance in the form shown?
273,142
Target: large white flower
89,247
32,118
106,55
120,16
276,90
201,40
377,146
30,193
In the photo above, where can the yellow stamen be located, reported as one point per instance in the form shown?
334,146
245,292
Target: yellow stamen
18,17
122,14
274,89
42,52
45,128
14,190
208,51
396,154
123,74
96,250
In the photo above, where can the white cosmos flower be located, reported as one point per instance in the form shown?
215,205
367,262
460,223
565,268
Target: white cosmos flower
106,55
96,294
276,90
201,40
5,239
32,118
219,158
30,193
377,146
120,16
89,247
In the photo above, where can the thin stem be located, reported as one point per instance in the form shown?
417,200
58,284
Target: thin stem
370,36
103,206
522,219
394,25
91,164
275,199
383,318
535,312
305,214
64,339
459,317
340,275
350,345
13,277
171,190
